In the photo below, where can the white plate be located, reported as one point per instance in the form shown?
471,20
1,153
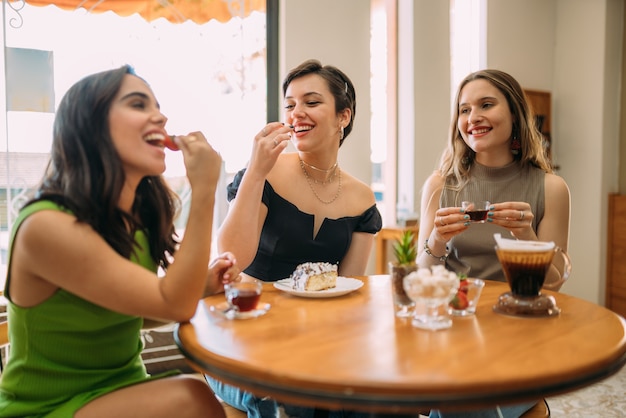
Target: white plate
222,310
344,286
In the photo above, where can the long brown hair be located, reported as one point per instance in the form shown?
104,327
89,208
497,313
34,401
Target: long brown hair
458,158
85,173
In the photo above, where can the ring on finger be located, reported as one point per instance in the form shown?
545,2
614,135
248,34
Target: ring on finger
441,221
521,215
275,143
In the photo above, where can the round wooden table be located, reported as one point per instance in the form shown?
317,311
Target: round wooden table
351,351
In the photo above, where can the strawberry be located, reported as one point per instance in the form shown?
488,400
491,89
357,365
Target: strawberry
459,301
464,286
169,143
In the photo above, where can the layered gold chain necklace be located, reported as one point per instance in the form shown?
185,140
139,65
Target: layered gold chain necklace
335,171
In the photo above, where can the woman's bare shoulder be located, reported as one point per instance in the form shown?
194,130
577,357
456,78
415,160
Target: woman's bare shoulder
362,190
44,222
556,185
434,182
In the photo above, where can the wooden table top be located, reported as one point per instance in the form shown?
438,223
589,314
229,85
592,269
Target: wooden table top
352,352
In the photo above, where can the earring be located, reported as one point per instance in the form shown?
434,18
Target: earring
341,136
516,145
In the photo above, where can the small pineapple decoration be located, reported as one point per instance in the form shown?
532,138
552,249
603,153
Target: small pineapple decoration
406,253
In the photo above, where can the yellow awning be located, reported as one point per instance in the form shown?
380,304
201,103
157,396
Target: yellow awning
199,11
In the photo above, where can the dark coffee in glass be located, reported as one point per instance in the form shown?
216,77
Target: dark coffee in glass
525,269
477,211
477,215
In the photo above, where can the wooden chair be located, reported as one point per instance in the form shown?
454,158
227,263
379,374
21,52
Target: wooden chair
4,341
541,410
4,331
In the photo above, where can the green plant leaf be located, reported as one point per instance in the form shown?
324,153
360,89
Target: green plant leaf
404,248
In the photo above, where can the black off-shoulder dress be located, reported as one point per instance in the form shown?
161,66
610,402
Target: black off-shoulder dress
287,236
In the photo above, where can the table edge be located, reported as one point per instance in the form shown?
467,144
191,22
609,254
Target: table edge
398,401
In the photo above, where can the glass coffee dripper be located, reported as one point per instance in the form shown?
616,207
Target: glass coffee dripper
525,265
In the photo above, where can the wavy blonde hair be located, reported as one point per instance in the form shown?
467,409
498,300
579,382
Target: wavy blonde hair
457,158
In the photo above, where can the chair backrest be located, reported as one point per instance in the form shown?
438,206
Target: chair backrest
4,342
4,329
4,333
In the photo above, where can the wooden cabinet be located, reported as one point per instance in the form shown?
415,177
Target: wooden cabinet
616,255
541,104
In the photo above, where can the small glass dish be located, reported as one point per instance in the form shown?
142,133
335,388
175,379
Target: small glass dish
224,310
466,299
431,288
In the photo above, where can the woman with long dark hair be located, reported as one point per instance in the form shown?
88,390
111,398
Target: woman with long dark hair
84,255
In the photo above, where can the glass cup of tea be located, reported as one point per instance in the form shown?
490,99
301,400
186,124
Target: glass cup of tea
525,265
477,210
243,296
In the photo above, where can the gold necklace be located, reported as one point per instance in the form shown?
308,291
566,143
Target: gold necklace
323,182
308,180
320,169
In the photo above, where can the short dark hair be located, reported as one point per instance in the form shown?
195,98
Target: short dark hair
339,84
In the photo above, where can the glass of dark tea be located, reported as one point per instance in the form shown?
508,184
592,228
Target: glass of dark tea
525,265
243,296
477,211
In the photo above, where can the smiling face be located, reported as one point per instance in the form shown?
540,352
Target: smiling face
137,129
310,108
485,120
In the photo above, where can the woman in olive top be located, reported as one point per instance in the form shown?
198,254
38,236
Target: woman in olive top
495,153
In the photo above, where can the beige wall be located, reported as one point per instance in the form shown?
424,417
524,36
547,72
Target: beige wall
432,74
336,33
586,115
523,46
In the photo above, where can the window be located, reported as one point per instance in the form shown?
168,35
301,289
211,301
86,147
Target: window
210,77
383,106
468,38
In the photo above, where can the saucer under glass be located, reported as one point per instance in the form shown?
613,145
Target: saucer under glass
535,306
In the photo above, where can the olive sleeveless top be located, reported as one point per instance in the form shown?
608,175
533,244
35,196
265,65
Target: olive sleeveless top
67,351
473,251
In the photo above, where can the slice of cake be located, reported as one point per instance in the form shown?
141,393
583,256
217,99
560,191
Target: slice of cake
314,276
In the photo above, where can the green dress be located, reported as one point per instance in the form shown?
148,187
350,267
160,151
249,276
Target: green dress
67,351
